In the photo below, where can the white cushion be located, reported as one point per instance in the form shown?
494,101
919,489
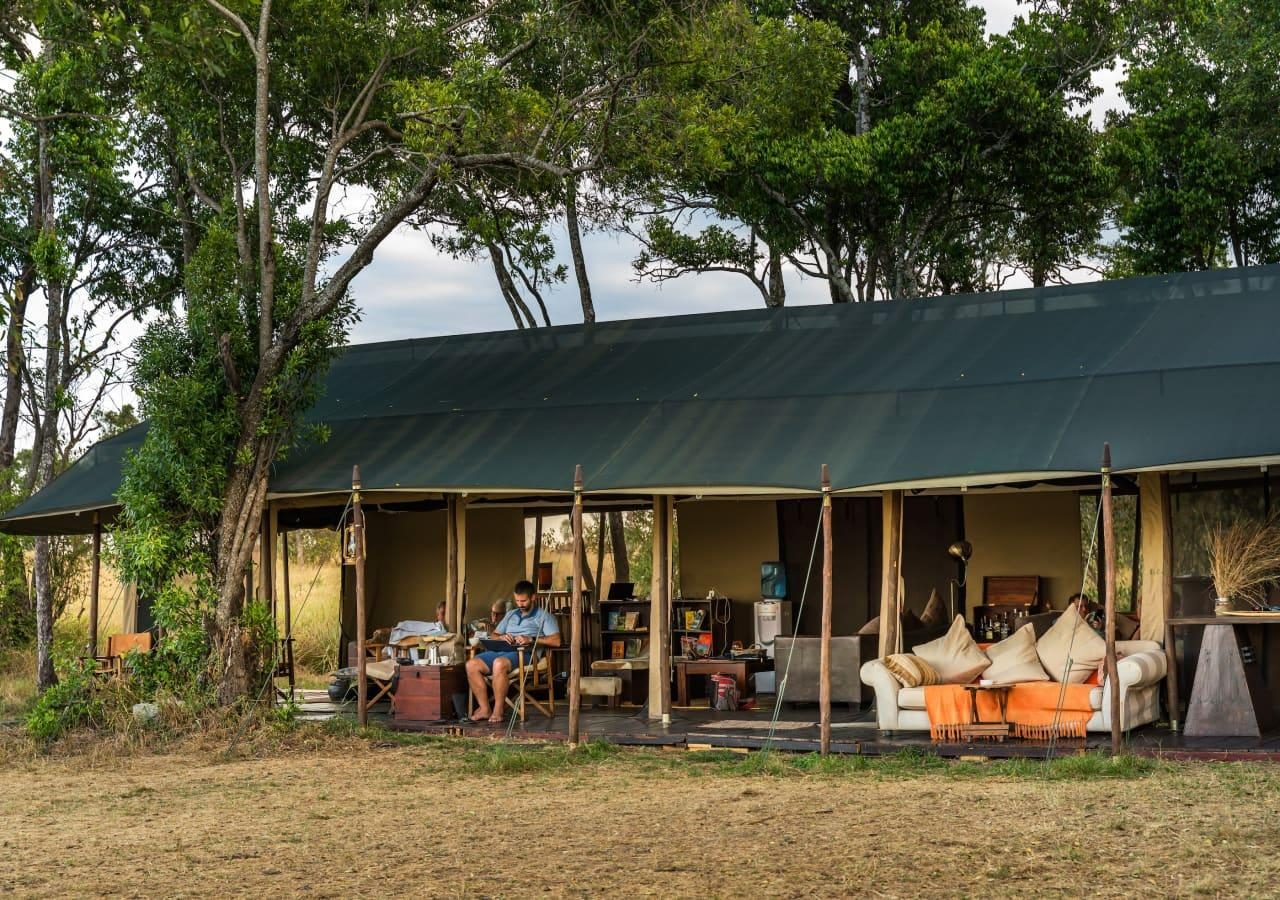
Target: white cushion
1070,650
1014,659
954,656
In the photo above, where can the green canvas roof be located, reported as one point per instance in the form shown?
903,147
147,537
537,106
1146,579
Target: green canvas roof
1174,372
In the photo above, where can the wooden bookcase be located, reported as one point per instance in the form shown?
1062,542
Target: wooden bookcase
710,631
624,626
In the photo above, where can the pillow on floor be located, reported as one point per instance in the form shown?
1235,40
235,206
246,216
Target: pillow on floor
1015,659
935,613
910,670
1072,637
954,656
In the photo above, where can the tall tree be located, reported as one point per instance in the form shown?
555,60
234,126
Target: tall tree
1198,151
940,161
80,238
277,109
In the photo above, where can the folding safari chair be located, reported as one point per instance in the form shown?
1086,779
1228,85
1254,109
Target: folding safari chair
528,681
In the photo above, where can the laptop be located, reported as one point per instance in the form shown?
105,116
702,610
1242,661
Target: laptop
497,646
622,590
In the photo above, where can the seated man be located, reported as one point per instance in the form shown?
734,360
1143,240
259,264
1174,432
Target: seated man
524,626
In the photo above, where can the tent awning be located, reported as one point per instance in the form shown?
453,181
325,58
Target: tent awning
1173,371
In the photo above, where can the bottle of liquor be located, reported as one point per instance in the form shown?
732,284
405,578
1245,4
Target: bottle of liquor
990,633
1004,626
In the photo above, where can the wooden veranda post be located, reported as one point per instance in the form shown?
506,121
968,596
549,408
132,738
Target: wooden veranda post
891,534
824,666
575,612
357,532
451,558
267,560
284,584
1109,565
1157,575
94,572
660,614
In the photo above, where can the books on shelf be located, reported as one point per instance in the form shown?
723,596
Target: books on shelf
618,650
694,619
617,620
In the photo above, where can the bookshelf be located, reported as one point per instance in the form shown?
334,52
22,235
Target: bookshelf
624,629
702,621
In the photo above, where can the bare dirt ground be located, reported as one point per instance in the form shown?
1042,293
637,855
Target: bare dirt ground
351,817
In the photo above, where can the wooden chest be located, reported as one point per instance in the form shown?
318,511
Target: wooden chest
425,693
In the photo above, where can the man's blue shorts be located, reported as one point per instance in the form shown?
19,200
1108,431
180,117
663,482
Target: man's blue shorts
489,657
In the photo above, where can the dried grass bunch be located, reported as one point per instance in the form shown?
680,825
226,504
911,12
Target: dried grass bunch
1244,558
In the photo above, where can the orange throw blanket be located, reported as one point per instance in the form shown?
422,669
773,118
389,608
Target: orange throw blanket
1033,710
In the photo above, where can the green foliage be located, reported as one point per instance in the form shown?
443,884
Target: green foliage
909,156
71,703
1198,152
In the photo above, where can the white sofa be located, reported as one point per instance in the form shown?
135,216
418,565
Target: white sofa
1141,669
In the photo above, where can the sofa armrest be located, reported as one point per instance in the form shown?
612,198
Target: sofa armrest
886,687
1137,670
1141,669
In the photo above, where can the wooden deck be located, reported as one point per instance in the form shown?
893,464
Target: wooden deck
797,730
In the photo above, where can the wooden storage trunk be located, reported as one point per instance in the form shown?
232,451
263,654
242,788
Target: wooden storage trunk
425,693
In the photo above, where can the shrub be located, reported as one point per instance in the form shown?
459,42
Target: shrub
71,703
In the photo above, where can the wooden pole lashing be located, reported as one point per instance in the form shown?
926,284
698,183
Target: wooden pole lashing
357,528
824,670
1109,566
94,575
575,614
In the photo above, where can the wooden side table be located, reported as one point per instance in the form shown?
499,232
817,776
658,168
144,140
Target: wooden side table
977,728
738,669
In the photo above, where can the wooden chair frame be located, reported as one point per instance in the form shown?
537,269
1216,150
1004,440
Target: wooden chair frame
537,677
118,647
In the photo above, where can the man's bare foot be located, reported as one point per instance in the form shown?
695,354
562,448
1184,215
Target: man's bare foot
480,714
496,718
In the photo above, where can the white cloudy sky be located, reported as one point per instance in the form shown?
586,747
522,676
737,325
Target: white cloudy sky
411,291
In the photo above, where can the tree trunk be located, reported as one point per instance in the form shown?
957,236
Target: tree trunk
777,288
618,546
237,528
509,290
47,425
575,249
14,361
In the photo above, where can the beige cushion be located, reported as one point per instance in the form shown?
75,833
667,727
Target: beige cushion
872,627
911,671
935,613
1014,659
1072,637
954,656
911,698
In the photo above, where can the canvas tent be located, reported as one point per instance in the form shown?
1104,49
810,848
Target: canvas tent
991,392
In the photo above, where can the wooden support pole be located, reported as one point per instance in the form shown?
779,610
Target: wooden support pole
357,526
95,569
891,537
267,559
537,551
660,614
1109,567
284,586
451,557
575,612
1157,576
824,665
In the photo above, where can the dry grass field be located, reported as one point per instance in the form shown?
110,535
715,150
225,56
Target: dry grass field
331,815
